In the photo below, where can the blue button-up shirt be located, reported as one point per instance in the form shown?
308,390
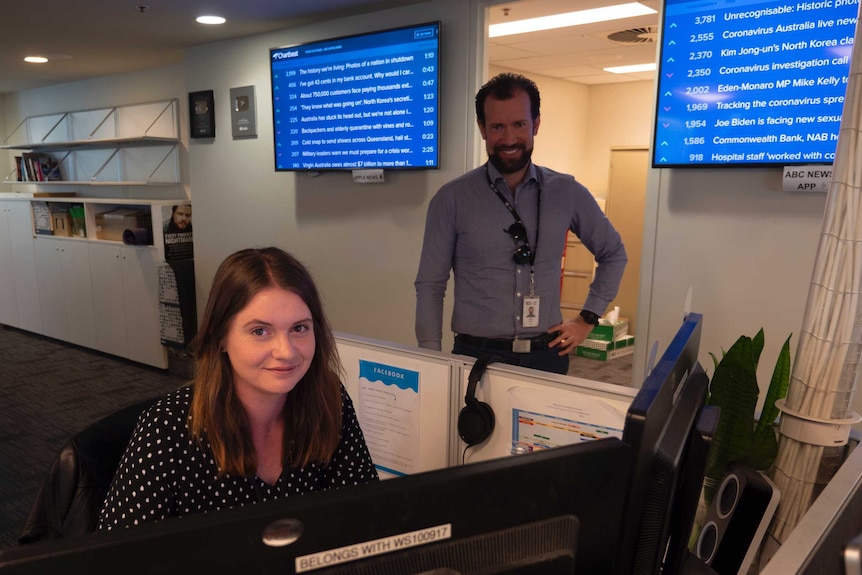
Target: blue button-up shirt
465,232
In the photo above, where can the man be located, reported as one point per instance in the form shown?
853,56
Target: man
501,229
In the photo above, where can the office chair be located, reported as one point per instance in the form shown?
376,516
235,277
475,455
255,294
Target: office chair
69,500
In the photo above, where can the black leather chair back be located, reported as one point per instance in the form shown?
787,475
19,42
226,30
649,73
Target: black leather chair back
71,496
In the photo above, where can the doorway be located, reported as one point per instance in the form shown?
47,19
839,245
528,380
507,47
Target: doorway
627,184
612,160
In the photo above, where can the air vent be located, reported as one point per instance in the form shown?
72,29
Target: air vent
634,35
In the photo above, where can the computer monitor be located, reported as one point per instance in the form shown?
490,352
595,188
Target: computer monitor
678,558
675,480
646,420
553,512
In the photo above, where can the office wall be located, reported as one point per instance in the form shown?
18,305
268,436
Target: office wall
618,116
744,248
5,159
361,242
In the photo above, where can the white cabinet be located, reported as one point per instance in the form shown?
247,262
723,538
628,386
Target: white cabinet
125,289
8,305
65,290
19,295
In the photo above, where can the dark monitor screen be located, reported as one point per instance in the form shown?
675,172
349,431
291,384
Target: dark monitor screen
675,479
555,511
369,101
645,423
678,559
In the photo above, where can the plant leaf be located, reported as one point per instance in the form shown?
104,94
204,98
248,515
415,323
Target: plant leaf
764,447
757,347
761,455
734,391
778,387
714,360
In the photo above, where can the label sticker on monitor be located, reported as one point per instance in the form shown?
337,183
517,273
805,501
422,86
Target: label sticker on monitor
367,549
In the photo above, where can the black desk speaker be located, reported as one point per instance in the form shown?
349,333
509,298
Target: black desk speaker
737,520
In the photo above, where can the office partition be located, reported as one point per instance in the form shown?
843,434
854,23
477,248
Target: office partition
535,410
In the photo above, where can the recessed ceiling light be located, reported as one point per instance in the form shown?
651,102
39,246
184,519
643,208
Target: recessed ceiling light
630,69
210,20
42,58
591,16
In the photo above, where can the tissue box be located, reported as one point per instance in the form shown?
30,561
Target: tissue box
111,225
605,350
607,331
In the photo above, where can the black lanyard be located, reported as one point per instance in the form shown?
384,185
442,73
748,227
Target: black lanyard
517,217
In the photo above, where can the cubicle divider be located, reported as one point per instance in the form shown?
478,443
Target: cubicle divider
408,400
536,410
404,400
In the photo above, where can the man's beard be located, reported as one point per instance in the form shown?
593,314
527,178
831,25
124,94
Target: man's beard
511,165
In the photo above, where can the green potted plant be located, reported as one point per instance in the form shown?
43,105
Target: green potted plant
740,436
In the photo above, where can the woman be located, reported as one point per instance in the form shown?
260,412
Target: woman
266,415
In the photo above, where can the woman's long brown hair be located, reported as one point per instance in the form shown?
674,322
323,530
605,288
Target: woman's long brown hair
312,412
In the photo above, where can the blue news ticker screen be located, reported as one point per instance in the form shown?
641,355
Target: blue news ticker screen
360,102
752,82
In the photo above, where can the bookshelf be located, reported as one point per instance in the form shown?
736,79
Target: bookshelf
131,145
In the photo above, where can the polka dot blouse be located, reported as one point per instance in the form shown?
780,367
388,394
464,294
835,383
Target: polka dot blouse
165,473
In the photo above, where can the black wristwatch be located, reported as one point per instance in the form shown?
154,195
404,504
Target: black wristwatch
590,317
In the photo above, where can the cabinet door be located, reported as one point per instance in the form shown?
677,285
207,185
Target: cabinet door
24,266
78,293
141,288
65,290
125,296
49,275
8,304
109,306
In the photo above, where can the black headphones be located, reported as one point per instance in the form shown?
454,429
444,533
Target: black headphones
476,420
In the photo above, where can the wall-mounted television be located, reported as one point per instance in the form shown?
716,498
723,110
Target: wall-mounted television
369,101
752,82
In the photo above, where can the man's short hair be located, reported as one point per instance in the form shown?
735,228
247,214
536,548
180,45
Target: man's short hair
503,87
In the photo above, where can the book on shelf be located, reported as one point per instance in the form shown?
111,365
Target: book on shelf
42,218
37,167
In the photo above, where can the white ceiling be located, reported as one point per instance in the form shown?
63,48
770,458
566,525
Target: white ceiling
107,37
578,53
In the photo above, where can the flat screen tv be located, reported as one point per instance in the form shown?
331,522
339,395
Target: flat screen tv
752,82
549,512
369,101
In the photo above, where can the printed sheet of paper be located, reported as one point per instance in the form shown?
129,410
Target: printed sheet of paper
550,418
388,413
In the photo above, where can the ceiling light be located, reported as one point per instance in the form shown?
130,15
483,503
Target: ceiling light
569,19
36,59
630,69
210,20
